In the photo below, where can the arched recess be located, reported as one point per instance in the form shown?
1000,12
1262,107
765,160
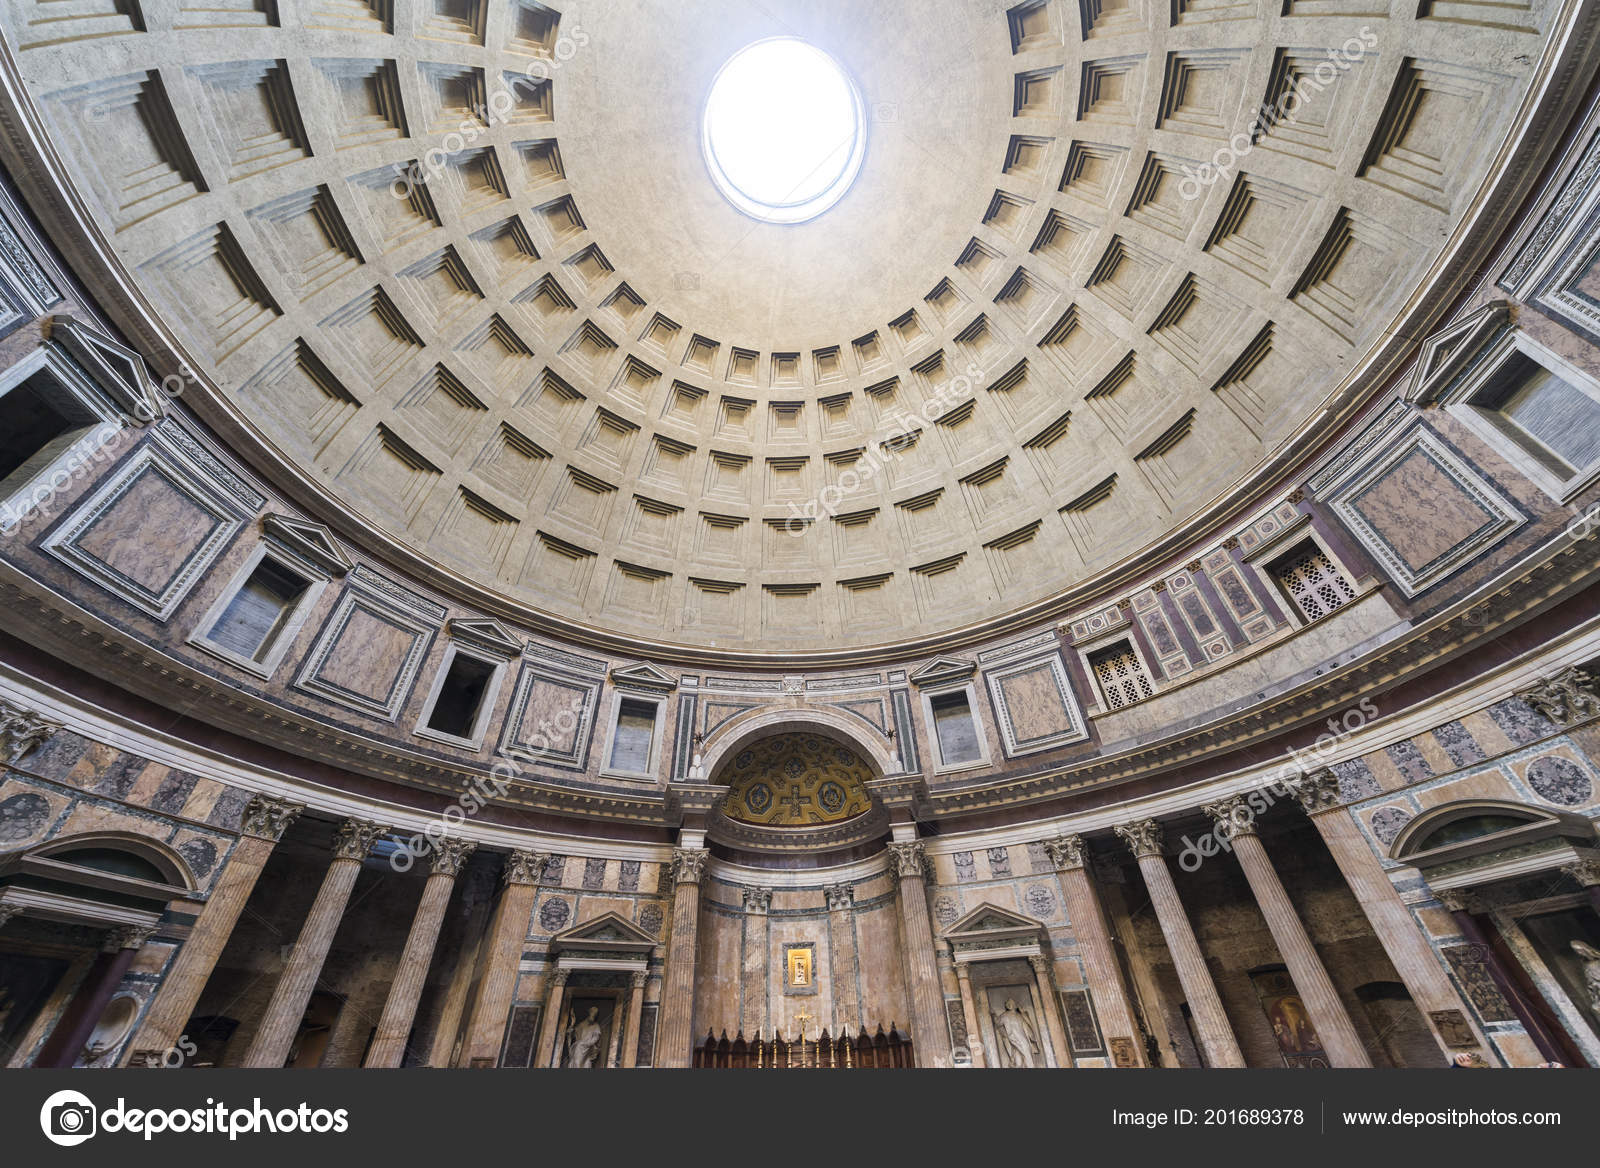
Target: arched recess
1477,827
737,732
91,851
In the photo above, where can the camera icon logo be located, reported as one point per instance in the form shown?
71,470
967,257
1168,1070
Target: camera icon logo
68,1118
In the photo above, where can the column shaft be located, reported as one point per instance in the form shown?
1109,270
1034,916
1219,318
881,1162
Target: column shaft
548,1048
400,1008
675,1048
753,986
842,946
1210,1021
265,820
1397,931
929,1029
1095,946
497,986
77,1022
969,1011
1050,1007
630,1036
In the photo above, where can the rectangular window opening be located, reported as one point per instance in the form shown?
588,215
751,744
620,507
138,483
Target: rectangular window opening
1120,675
1311,580
1555,421
955,728
38,421
633,737
460,698
252,620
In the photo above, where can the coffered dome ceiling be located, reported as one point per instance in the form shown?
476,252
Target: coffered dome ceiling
460,265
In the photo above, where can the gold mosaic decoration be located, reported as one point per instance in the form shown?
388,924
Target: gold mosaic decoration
796,780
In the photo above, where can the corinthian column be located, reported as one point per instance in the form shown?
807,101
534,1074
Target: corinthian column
969,1011
1070,856
756,932
1211,1023
630,1036
842,945
928,1027
677,993
265,821
1399,934
498,984
1236,823
400,1008
1043,974
275,1035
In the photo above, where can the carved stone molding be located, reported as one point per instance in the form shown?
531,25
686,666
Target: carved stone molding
1318,791
560,976
1067,852
910,859
1460,900
22,731
689,864
1040,963
355,838
1586,872
267,817
1143,837
127,937
450,855
1233,817
524,867
757,900
1573,695
841,897
638,978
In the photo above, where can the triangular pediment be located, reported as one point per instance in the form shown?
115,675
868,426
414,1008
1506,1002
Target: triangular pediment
485,634
643,675
117,370
943,669
988,921
1447,355
608,932
310,541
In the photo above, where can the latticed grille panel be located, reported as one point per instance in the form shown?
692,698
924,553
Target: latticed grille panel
1122,678
1313,583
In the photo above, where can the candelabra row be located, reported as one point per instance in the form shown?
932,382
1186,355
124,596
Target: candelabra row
772,1051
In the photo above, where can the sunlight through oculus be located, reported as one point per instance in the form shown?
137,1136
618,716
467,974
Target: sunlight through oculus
784,131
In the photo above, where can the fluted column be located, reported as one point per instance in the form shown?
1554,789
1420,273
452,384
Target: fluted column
1402,938
754,986
677,994
928,1025
547,1049
969,1011
1236,823
77,1022
630,1037
1070,856
842,946
400,1008
508,929
1144,840
265,821
274,1037
1050,1005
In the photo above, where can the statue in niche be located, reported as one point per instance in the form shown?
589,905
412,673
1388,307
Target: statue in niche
1019,1037
1589,957
583,1040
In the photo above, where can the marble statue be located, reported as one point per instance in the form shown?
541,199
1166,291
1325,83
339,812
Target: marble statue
1589,956
583,1041
1017,1033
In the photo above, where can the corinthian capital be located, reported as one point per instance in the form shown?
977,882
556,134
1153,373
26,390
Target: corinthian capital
1067,852
450,856
1573,695
1233,817
22,730
1586,871
524,867
1143,837
910,859
757,900
267,817
840,897
1318,791
355,838
689,864
127,937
